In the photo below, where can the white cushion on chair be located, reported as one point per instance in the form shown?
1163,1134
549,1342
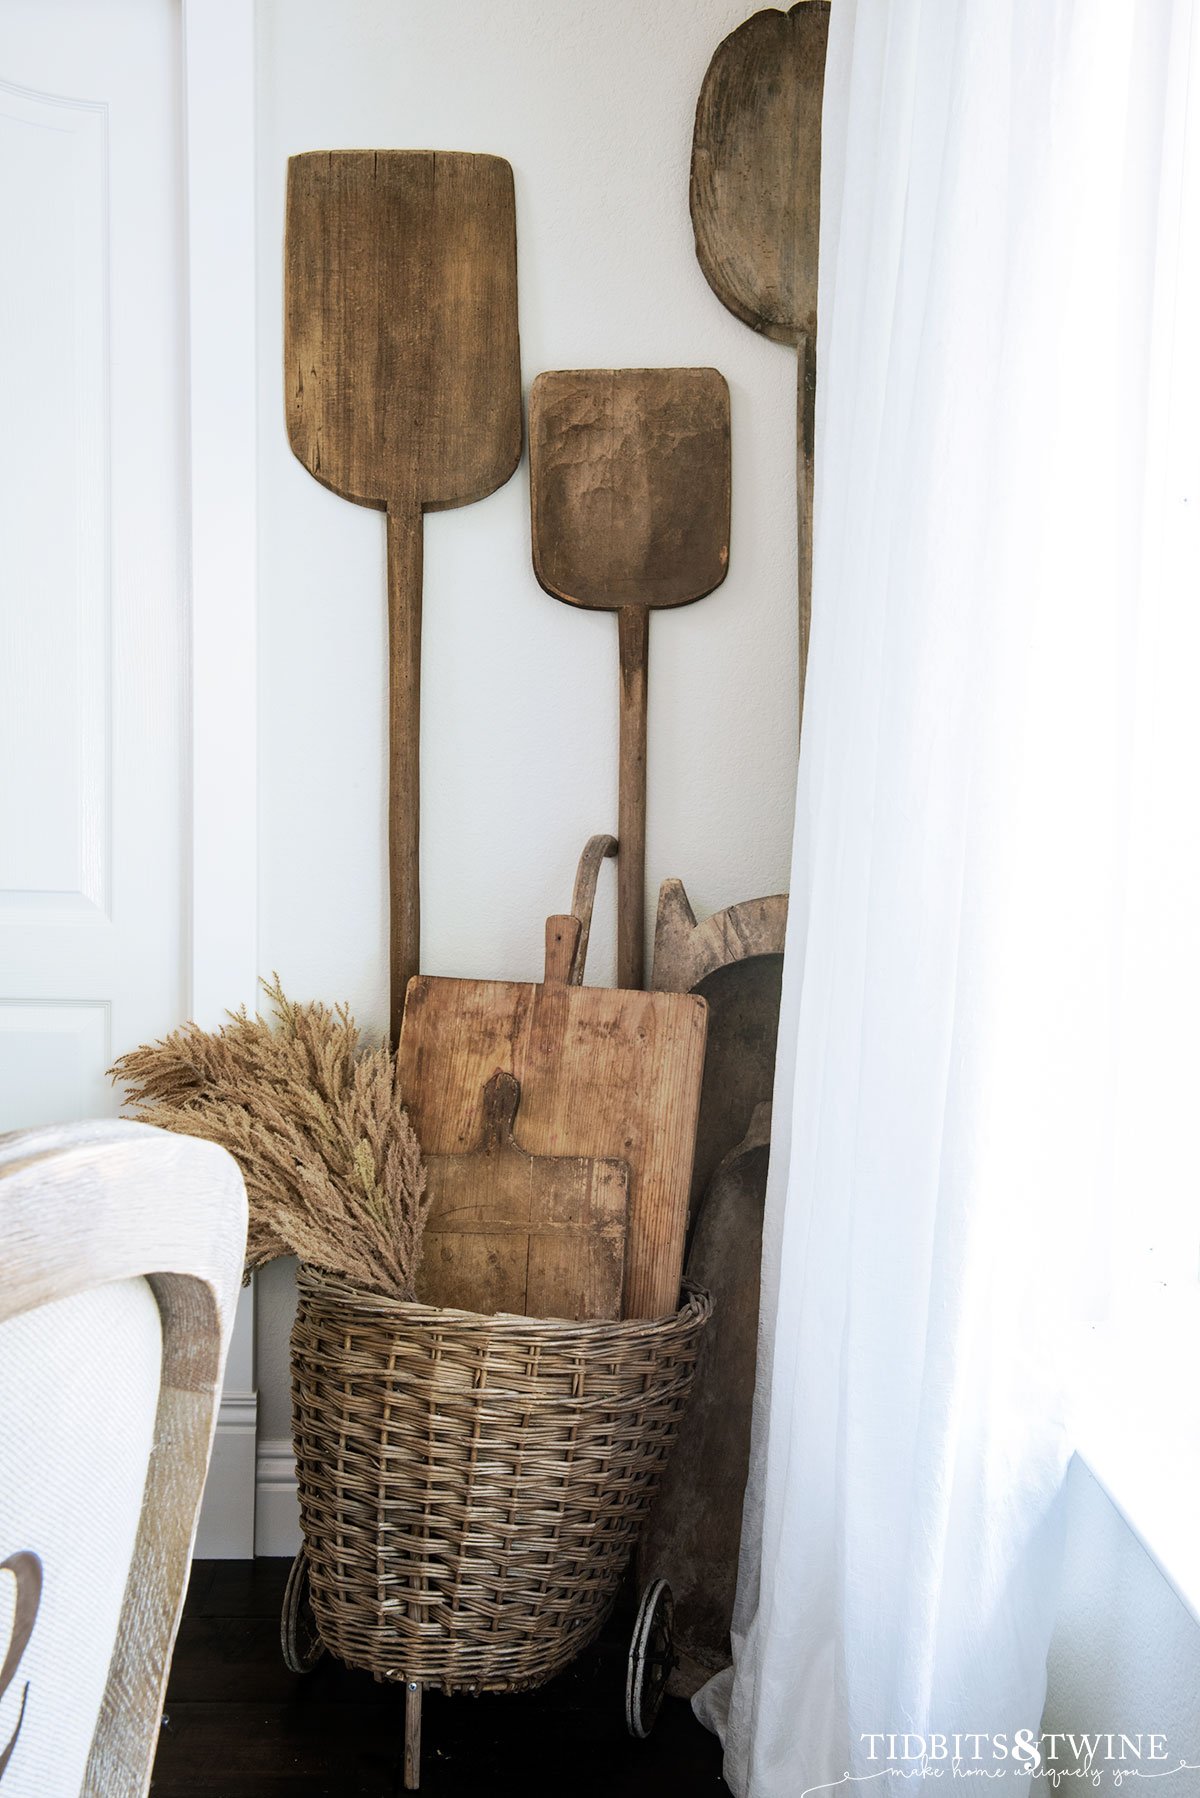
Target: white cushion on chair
79,1385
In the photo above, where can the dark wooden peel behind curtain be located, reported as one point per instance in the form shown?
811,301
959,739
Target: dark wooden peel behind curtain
756,207
403,384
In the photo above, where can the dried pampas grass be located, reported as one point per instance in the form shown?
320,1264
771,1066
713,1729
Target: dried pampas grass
314,1120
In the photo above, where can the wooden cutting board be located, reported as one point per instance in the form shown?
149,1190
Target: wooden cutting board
695,1527
603,1072
538,1235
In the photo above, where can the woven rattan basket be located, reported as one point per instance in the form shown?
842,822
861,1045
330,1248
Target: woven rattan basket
471,1487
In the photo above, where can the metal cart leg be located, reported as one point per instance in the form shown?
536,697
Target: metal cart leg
412,1735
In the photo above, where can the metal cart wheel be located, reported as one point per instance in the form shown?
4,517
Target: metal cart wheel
299,1637
651,1658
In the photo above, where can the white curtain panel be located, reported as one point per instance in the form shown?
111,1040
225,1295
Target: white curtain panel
995,835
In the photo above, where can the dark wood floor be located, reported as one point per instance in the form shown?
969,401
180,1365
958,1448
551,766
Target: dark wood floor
237,1724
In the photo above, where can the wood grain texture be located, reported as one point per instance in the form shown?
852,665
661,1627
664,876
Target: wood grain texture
630,496
694,1531
633,639
603,1073
84,1204
596,850
756,169
685,951
629,485
756,203
403,390
564,933
412,1735
538,1235
400,343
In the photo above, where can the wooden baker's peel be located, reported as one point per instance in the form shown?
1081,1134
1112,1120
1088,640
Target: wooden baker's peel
629,477
403,383
756,206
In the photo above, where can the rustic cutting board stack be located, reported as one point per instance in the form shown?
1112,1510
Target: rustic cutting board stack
583,1145
604,1074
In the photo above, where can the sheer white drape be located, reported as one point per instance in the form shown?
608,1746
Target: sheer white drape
1005,603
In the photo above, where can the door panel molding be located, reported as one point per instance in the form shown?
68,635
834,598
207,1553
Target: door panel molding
55,800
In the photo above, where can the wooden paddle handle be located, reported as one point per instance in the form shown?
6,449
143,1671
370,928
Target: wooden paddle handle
806,434
563,932
595,850
404,540
633,624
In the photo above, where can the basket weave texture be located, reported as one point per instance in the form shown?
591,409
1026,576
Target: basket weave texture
471,1487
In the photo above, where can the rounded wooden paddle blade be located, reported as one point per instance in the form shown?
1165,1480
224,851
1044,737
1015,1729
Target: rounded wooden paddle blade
756,169
629,484
401,360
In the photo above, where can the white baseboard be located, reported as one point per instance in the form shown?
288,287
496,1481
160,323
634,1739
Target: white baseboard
276,1504
226,1528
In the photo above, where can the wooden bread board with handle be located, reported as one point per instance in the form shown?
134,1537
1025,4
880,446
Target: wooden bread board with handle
603,1072
538,1235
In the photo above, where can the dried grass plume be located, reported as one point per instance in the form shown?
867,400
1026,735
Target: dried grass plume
314,1120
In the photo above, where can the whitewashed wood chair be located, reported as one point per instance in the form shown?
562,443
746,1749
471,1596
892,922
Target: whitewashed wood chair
121,1253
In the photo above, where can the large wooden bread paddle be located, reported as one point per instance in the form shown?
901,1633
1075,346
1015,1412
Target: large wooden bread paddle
403,383
756,206
629,489
603,1073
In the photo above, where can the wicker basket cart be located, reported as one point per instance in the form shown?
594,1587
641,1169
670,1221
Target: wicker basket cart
472,1489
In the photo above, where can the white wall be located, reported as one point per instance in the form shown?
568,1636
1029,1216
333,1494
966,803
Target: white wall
592,104
1126,1651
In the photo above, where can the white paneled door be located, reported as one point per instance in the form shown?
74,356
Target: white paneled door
94,623
127,554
